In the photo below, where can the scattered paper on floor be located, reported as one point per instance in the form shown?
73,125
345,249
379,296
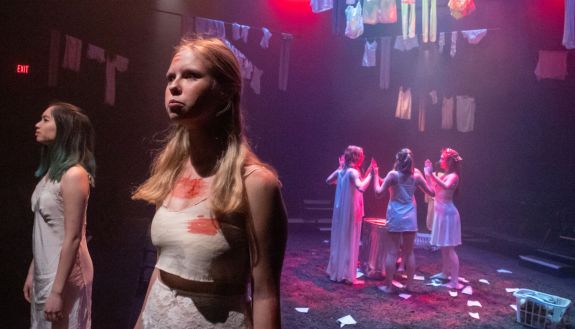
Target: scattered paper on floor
405,296
452,293
418,277
502,270
483,281
346,320
474,315
397,284
474,303
462,279
511,289
467,290
514,307
358,274
302,309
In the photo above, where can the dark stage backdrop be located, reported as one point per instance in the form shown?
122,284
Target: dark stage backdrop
518,173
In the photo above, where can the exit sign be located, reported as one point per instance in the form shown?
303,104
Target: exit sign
22,69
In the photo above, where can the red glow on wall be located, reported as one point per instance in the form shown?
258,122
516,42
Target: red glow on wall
292,6
22,69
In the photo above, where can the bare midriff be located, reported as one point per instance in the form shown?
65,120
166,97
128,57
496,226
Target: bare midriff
201,287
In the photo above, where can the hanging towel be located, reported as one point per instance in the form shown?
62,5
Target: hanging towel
318,6
354,21
384,62
405,44
408,18
447,110
72,54
255,83
369,54
210,27
96,53
236,31
453,49
55,36
422,112
265,42
465,109
433,95
403,109
569,25
120,64
379,11
429,20
284,61
245,31
441,42
474,36
552,64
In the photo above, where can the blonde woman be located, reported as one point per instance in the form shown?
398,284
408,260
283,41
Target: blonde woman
220,224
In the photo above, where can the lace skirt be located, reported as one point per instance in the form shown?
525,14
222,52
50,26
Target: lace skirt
168,308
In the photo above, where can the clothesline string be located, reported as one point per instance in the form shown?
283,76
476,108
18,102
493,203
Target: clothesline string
225,22
254,27
419,35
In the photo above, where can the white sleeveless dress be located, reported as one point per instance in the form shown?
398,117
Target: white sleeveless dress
47,239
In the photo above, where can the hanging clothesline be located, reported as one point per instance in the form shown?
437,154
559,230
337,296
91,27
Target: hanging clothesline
250,26
420,35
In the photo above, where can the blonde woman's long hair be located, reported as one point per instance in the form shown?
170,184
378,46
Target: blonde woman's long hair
228,187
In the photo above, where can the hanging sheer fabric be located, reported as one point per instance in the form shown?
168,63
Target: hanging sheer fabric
354,21
429,20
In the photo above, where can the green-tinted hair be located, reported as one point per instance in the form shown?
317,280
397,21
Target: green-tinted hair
74,143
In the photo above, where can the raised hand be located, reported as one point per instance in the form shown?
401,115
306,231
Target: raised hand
428,168
341,160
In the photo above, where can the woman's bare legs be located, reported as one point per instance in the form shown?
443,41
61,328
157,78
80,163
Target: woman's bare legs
453,265
408,256
392,245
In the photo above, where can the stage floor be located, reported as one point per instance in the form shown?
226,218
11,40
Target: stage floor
305,284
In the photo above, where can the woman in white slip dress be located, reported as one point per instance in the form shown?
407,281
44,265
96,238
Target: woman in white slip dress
347,215
446,230
401,182
59,281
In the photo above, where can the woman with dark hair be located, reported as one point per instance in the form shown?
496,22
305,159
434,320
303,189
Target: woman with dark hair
59,281
401,214
347,215
446,230
220,222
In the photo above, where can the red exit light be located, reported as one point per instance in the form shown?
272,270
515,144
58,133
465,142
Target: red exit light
22,69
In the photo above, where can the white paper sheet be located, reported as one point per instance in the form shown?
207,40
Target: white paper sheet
474,315
474,303
467,290
346,320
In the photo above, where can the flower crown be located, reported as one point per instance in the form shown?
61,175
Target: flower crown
451,153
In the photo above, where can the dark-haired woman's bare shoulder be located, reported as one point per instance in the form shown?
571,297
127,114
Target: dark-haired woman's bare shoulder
76,178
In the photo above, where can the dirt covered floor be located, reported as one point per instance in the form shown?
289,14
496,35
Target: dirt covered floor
305,284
